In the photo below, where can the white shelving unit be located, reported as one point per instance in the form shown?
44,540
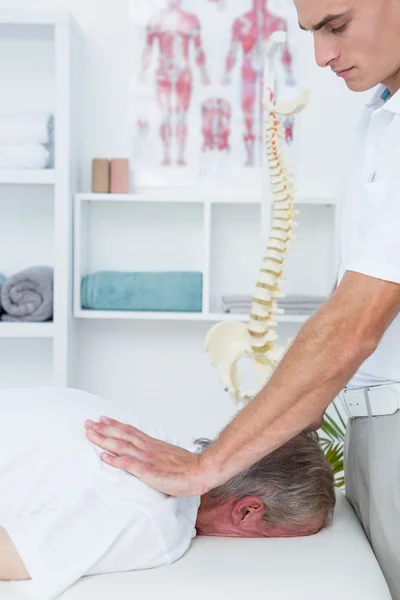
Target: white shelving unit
214,195
221,221
27,330
176,316
28,176
52,42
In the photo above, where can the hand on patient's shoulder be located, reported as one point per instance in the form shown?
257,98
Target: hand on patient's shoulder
162,466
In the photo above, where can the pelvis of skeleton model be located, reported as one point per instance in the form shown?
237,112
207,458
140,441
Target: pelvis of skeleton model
229,342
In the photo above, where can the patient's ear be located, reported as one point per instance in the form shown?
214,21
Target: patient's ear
247,512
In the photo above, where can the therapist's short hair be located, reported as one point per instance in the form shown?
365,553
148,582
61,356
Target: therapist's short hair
295,482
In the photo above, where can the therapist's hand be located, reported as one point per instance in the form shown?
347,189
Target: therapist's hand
162,466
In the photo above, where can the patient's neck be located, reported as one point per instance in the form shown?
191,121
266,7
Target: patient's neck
213,518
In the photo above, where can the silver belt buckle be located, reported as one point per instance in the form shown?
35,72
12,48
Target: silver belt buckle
342,397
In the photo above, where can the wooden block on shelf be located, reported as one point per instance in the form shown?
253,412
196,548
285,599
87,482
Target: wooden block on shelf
119,176
100,176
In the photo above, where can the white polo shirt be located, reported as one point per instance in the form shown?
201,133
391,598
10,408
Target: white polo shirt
370,223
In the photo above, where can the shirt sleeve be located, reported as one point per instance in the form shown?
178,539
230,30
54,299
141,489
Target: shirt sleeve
59,546
377,254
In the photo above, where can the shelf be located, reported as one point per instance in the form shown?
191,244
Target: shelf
181,195
39,24
27,176
317,200
142,197
35,17
23,25
26,330
214,195
171,316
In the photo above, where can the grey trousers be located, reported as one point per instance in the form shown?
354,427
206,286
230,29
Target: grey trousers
372,486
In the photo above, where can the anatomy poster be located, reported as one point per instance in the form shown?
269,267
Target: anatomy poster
196,86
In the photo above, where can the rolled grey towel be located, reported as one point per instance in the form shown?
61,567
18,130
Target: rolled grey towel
28,295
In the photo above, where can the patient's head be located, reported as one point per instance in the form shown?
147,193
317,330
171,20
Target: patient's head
288,493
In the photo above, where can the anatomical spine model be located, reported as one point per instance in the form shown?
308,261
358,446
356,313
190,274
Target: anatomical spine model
228,342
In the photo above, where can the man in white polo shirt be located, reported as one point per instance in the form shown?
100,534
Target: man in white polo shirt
351,346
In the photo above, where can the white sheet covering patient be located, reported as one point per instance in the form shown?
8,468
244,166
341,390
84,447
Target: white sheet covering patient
69,514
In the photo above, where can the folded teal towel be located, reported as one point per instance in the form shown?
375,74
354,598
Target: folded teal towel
170,291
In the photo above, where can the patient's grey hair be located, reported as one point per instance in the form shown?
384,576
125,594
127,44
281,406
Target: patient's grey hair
295,482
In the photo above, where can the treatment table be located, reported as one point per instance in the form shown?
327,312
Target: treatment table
335,564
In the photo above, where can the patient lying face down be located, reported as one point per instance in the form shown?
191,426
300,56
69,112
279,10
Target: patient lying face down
65,514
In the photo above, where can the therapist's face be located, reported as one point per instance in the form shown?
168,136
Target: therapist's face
362,41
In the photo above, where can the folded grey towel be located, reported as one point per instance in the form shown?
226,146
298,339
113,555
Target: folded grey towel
234,299
241,310
28,295
295,304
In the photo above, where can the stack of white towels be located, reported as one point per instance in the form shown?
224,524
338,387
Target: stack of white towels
26,141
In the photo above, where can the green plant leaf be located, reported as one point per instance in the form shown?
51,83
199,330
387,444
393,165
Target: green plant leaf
333,445
332,429
340,417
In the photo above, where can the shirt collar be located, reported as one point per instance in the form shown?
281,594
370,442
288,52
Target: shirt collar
382,99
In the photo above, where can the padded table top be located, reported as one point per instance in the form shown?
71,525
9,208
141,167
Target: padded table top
335,564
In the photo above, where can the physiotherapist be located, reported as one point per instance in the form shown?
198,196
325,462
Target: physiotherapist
351,346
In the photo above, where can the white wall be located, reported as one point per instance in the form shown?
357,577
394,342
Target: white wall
161,367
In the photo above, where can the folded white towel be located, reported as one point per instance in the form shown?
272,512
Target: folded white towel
26,156
25,128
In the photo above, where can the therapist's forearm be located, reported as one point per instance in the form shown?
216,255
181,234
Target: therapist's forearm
318,365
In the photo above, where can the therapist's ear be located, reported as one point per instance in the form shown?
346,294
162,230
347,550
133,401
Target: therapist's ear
247,512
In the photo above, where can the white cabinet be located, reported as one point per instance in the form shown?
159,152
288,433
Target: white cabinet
40,58
223,233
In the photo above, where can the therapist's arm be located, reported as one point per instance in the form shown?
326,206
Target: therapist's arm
11,566
326,353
